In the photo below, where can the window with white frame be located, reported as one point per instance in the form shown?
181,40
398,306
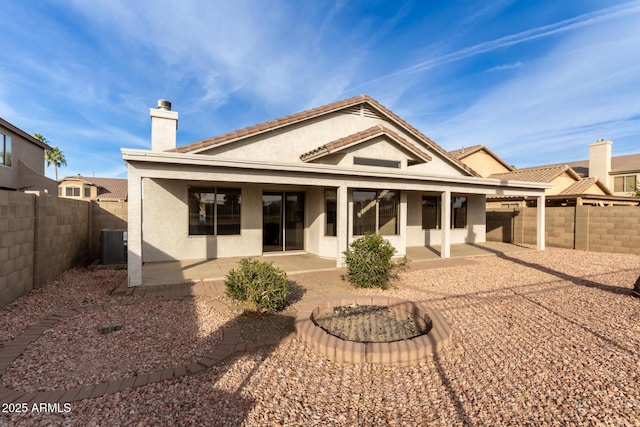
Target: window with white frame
72,191
625,184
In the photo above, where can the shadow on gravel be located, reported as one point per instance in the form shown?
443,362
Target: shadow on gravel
453,394
580,281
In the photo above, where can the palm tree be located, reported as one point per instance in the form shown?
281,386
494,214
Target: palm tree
53,155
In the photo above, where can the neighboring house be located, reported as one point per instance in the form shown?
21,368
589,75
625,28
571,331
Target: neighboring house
482,160
619,173
312,181
22,161
91,188
568,188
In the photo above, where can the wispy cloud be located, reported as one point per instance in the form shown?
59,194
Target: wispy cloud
505,67
584,89
575,23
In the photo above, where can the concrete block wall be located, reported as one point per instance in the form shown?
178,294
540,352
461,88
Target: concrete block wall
62,228
17,225
40,237
560,227
590,228
610,229
105,214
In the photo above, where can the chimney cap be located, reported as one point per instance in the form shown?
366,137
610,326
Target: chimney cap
163,104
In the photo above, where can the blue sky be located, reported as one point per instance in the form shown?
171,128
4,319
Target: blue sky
535,81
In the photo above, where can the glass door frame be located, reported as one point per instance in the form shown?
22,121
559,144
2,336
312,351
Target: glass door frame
287,220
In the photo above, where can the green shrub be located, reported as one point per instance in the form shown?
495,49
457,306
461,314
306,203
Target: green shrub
369,262
259,283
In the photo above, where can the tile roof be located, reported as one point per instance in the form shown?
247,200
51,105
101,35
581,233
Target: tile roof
461,153
362,136
313,113
581,186
108,188
626,163
537,174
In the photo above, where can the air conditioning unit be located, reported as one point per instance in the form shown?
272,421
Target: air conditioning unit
113,247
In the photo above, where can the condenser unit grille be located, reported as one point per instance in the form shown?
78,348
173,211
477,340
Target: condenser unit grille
113,247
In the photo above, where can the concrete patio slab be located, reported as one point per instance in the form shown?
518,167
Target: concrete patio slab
199,270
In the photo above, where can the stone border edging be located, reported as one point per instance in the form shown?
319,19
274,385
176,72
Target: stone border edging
12,350
402,352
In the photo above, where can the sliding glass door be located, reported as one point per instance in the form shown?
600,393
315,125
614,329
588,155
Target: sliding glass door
282,221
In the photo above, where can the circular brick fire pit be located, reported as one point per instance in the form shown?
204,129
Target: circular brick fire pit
415,332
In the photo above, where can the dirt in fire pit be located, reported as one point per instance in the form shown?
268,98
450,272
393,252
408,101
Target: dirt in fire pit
370,323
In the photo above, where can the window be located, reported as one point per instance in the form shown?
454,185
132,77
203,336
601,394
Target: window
87,191
625,184
458,212
375,211
72,191
431,212
376,162
330,211
5,150
214,211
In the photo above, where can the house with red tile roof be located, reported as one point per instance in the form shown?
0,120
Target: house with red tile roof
568,187
92,188
309,182
619,173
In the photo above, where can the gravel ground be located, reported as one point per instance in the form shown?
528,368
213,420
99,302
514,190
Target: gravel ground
539,338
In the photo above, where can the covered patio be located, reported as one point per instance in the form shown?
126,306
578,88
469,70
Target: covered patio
197,270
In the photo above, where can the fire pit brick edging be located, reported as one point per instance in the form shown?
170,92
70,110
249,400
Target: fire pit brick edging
402,353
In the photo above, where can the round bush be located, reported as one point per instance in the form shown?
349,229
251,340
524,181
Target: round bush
369,262
259,283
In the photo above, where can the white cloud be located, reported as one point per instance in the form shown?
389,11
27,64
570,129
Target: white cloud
584,89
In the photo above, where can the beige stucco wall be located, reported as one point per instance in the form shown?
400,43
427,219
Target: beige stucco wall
166,234
166,228
484,163
287,146
560,183
475,231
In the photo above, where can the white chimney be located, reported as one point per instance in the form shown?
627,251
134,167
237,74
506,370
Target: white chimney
164,124
600,160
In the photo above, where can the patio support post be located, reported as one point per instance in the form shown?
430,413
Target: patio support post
134,244
342,229
445,223
541,222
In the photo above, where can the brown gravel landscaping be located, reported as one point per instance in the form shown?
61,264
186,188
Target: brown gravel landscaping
539,338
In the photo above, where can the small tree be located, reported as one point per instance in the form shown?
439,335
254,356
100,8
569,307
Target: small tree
53,155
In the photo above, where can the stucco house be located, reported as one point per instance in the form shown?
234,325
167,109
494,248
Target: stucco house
619,173
568,187
311,181
91,188
22,161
